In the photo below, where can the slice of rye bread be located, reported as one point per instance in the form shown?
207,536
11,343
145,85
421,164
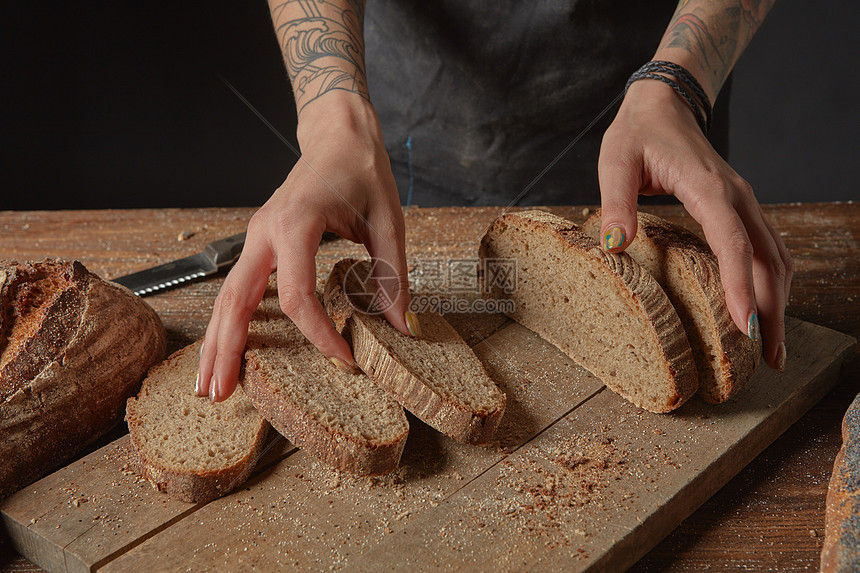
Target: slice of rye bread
343,419
437,377
688,271
194,450
601,309
841,549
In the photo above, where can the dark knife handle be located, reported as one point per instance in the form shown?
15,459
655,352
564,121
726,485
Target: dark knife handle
225,252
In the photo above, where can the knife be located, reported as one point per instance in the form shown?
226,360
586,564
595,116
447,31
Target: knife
214,257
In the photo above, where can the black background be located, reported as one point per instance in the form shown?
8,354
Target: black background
116,105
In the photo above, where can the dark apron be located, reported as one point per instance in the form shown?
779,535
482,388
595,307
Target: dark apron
477,98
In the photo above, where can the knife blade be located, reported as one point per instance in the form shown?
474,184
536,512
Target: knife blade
215,256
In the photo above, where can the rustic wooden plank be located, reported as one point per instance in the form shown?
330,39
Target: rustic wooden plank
96,507
599,488
315,517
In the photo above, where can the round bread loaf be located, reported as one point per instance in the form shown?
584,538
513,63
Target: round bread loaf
73,348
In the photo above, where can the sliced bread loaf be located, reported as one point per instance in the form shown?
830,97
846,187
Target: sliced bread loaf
343,419
688,271
601,309
184,444
437,377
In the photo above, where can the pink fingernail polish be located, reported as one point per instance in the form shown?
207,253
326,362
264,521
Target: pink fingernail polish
780,357
197,384
212,383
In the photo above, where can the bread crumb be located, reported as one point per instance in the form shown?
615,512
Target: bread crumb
185,235
586,212
813,533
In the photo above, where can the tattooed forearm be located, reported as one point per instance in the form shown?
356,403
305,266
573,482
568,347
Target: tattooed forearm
691,33
322,45
714,33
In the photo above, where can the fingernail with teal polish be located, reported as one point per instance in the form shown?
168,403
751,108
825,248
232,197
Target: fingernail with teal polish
753,329
412,323
613,238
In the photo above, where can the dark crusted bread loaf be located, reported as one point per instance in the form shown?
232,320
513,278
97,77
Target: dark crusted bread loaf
688,271
841,550
601,309
187,446
343,419
437,377
73,348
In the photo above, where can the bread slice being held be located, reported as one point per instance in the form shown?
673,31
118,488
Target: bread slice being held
601,309
187,446
436,376
688,271
343,419
73,348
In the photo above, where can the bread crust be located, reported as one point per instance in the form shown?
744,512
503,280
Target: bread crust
188,486
687,256
841,549
385,367
328,445
55,317
342,451
80,391
635,284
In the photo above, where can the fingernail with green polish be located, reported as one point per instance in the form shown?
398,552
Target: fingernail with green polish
753,329
412,323
614,238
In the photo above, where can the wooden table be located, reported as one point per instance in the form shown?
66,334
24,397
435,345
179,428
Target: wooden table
770,517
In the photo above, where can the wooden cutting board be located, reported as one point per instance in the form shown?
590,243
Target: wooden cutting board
581,480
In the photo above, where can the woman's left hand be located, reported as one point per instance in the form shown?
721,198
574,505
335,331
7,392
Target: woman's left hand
655,147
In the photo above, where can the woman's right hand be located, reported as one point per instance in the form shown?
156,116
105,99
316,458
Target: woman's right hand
342,183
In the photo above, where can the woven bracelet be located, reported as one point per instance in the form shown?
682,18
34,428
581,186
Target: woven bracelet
687,78
652,70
